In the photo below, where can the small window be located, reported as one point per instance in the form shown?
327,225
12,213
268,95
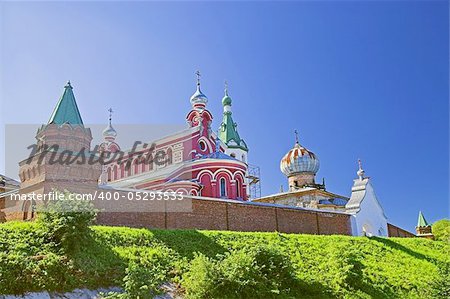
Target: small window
223,192
238,188
233,155
202,145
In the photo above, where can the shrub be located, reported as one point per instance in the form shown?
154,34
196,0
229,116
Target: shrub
66,222
260,272
441,230
146,271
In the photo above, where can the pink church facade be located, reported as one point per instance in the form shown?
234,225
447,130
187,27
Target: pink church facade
191,162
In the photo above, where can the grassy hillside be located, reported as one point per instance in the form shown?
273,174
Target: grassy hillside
212,264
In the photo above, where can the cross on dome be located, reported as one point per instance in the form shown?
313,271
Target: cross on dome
360,171
198,99
198,77
110,114
296,136
109,133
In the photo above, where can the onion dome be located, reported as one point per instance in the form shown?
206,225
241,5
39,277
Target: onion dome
226,100
109,132
198,99
299,160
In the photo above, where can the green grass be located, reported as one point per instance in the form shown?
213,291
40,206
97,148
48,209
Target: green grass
325,266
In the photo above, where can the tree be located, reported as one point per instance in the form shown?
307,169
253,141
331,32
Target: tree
441,230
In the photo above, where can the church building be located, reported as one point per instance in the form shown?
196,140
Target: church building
209,168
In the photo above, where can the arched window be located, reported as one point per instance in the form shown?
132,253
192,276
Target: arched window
169,156
136,166
122,170
243,158
150,161
233,155
238,188
202,145
143,164
223,185
115,172
109,174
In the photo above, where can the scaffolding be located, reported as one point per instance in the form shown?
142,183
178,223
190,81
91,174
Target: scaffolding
253,182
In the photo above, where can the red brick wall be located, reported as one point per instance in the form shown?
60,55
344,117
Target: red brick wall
333,224
395,231
194,213
250,218
205,215
221,215
295,221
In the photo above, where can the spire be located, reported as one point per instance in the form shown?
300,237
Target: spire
421,222
360,171
228,128
66,110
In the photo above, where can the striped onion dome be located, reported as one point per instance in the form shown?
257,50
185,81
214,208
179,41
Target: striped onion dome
299,160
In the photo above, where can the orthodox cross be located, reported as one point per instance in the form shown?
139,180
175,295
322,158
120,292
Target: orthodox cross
360,164
198,77
110,114
226,87
296,136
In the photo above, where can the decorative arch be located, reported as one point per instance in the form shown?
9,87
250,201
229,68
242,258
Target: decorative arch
205,178
223,171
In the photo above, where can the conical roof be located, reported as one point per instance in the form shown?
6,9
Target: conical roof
422,222
66,110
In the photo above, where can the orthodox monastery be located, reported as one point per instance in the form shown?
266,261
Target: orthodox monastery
210,168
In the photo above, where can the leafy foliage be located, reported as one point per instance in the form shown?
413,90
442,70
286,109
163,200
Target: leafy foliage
260,272
67,222
441,230
231,263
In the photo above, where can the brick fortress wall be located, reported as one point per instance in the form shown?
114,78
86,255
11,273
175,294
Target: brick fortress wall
395,231
213,214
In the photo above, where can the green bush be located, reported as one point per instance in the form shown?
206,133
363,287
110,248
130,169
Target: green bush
66,222
441,230
260,272
147,270
320,266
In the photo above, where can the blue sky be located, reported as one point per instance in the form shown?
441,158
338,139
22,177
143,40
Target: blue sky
360,79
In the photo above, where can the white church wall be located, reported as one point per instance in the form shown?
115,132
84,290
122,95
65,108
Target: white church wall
370,219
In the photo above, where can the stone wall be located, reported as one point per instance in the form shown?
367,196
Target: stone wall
196,213
212,214
395,231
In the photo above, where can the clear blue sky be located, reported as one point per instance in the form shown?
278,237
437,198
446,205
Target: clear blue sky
360,79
